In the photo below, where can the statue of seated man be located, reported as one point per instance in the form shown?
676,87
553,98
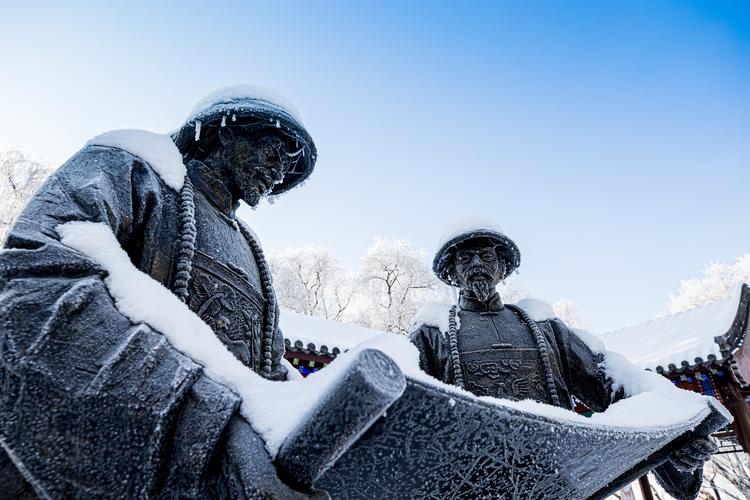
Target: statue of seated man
499,350
95,405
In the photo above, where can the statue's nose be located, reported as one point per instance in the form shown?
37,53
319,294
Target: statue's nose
476,260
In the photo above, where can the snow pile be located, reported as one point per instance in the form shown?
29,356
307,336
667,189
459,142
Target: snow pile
538,310
319,331
435,314
273,408
676,338
465,226
228,98
157,150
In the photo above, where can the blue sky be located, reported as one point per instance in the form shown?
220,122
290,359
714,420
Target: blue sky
609,139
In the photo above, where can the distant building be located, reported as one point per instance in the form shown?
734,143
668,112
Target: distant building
701,350
312,343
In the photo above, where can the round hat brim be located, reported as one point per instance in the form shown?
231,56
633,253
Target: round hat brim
504,246
279,121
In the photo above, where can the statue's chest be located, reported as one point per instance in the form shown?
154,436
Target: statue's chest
225,286
499,357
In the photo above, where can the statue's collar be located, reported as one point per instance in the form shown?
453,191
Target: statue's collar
468,302
208,183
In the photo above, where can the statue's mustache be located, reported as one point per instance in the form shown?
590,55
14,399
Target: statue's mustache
477,271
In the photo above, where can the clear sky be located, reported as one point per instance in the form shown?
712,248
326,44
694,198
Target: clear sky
610,139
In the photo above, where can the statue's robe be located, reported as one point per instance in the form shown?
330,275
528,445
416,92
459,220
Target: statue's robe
94,406
500,358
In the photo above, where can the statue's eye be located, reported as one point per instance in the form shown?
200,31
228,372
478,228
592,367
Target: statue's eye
464,258
487,257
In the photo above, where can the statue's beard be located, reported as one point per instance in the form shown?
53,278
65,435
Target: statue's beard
253,189
252,195
481,289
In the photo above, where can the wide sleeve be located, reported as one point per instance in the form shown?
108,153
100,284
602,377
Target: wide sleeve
93,405
434,353
587,381
582,370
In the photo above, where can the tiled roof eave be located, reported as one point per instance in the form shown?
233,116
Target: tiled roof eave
311,348
729,343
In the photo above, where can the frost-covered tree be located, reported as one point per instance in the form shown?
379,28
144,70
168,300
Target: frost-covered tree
511,292
719,280
310,280
726,476
396,280
567,310
20,177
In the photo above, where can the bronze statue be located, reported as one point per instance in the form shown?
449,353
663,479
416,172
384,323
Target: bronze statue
496,349
96,406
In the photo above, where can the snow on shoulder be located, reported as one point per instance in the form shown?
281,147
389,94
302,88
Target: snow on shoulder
538,310
433,314
226,97
158,150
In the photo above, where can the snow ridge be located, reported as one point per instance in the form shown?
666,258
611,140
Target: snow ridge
158,150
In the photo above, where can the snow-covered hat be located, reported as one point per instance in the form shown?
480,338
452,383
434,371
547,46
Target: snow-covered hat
256,105
465,231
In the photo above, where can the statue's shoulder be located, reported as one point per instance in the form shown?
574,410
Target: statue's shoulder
433,316
538,310
114,149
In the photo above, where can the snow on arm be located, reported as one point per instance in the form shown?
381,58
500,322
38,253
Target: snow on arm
274,409
158,150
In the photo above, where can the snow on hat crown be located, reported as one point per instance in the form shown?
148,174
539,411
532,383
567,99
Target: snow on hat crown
469,229
257,103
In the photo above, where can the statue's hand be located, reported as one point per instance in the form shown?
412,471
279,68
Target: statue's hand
690,458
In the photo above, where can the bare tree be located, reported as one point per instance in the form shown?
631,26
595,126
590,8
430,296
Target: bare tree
20,177
719,280
309,280
396,281
567,310
727,476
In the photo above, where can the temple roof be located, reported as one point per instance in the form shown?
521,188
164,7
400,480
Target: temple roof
706,334
320,336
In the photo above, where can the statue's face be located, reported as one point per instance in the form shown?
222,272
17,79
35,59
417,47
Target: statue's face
255,165
478,270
